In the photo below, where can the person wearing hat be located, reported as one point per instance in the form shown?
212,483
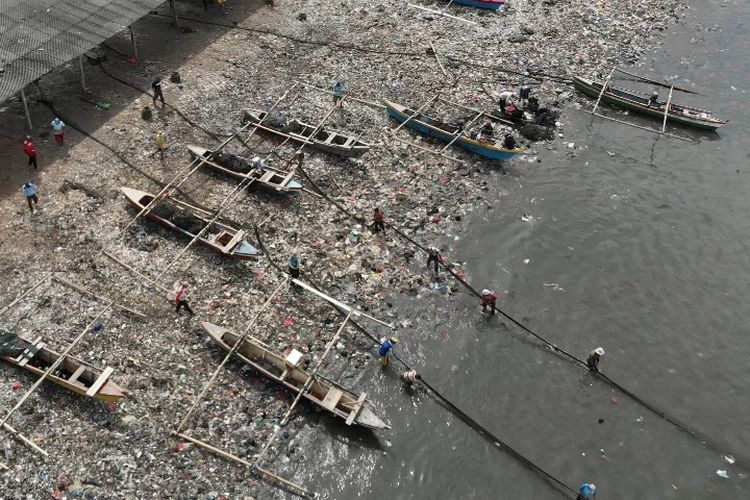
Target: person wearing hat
58,129
160,141
593,360
30,150
386,346
586,492
489,298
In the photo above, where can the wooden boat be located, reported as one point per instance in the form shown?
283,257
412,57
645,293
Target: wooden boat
239,168
285,370
72,374
482,4
188,220
622,98
427,125
327,140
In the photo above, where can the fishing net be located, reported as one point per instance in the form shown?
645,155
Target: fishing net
232,162
10,344
180,218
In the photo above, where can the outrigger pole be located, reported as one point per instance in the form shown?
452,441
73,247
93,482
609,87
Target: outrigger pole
440,13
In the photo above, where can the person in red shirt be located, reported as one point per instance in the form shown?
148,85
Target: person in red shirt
181,299
379,221
30,150
489,298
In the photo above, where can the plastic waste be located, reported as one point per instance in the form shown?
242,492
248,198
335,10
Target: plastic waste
722,473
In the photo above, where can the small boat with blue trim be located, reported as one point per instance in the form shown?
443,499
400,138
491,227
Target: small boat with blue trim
433,127
189,221
240,168
482,4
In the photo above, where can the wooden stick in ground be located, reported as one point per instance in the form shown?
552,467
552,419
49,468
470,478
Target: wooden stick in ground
135,271
242,461
304,389
56,364
666,110
416,113
239,342
82,290
604,88
22,296
437,58
24,439
348,96
440,13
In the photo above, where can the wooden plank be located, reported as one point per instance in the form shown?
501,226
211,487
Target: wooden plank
440,13
332,398
666,110
237,237
604,88
355,410
100,381
77,373
98,297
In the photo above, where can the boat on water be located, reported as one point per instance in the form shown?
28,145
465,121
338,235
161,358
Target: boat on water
188,220
240,168
286,371
482,4
433,127
72,373
643,104
327,140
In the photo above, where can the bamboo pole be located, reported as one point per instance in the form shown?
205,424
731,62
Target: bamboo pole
349,97
339,304
26,440
461,132
656,131
82,290
427,150
440,13
604,88
242,461
416,113
134,271
437,58
240,340
666,110
23,296
56,364
304,389
268,113
488,115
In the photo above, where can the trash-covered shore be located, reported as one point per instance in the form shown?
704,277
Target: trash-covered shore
128,450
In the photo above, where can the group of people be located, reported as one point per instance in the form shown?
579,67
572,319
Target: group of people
515,110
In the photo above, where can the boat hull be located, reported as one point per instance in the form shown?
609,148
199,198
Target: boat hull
400,114
479,4
272,365
630,102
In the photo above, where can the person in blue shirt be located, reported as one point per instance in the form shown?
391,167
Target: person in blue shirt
30,191
58,129
386,347
338,92
587,492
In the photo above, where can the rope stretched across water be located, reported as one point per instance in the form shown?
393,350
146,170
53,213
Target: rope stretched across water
701,437
473,424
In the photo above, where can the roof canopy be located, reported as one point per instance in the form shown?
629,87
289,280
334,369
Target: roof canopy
36,36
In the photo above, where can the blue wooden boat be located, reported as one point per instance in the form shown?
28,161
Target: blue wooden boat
482,4
435,128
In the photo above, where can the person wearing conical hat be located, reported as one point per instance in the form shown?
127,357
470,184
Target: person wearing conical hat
593,360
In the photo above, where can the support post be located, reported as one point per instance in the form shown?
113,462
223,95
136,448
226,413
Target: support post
83,74
666,110
26,110
174,11
132,42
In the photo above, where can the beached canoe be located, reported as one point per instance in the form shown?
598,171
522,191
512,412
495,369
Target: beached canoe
72,374
327,140
285,370
482,4
188,220
239,168
627,99
432,127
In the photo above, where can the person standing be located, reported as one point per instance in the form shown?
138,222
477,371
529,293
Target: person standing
158,94
378,221
257,164
586,492
160,141
58,129
433,256
294,264
386,347
339,90
489,298
181,299
30,150
593,360
30,191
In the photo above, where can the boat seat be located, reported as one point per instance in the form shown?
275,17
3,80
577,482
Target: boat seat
356,408
332,398
291,362
29,352
77,374
237,237
100,382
